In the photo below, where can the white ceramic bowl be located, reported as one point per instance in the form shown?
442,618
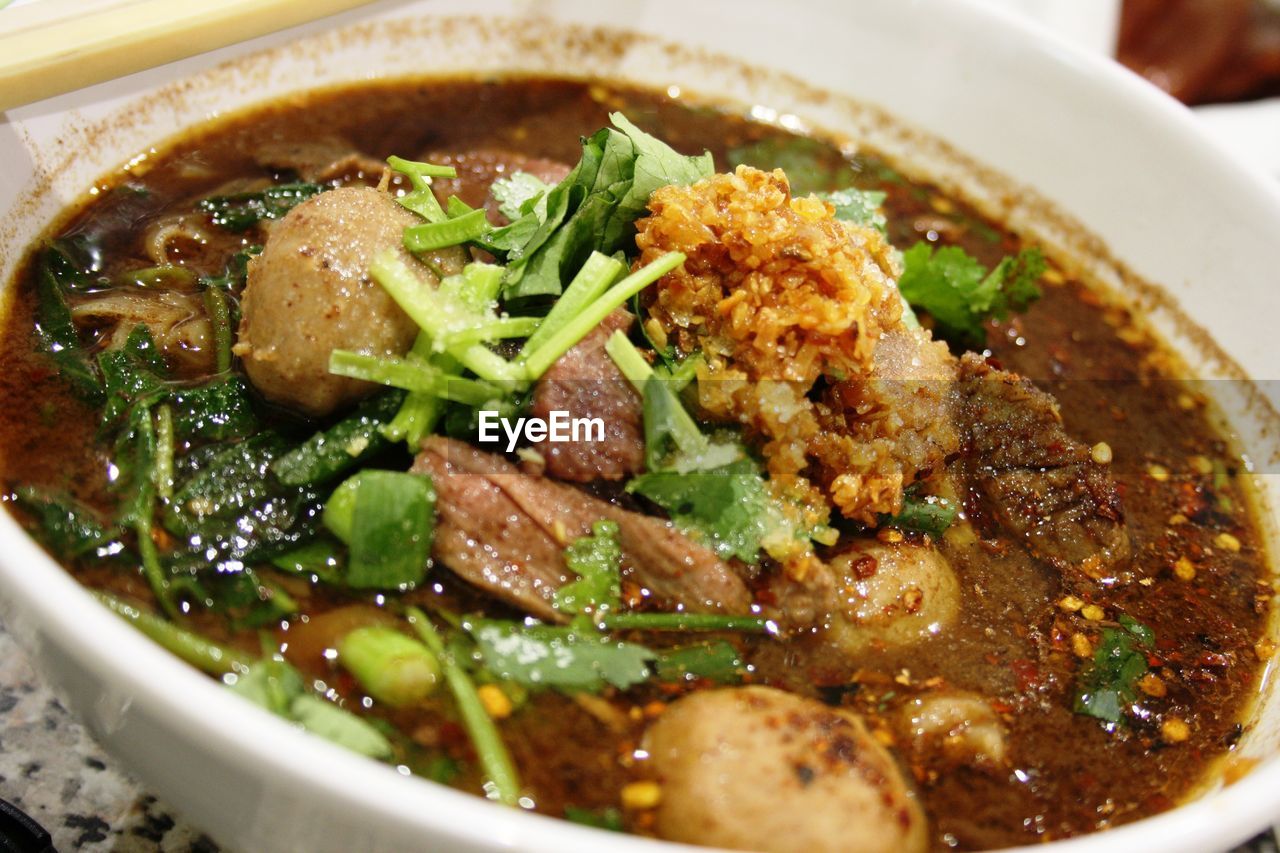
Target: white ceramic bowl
1105,148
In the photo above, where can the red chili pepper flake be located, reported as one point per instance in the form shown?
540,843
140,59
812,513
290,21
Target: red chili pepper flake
1026,674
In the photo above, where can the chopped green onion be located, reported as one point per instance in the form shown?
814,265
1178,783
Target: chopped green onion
629,360
196,650
450,232
664,416
436,314
504,327
412,376
420,412
215,304
483,281
559,342
392,668
503,782
593,279
685,622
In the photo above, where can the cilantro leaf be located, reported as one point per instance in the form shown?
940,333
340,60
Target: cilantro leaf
593,209
595,559
727,506
516,194
560,657
275,685
811,166
961,295
1109,685
861,207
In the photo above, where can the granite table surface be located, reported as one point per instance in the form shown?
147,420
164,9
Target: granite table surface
53,770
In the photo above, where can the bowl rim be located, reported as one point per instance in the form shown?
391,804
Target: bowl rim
43,601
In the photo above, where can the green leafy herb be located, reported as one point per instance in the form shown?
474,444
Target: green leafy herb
861,207
241,211
593,209
596,560
387,519
75,262
961,295
719,662
343,446
517,193
231,512
243,597
811,166
62,267
727,506
1109,685
64,525
559,657
218,410
133,374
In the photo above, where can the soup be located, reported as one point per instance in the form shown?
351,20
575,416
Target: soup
785,549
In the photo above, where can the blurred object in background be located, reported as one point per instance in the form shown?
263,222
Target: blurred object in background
1204,51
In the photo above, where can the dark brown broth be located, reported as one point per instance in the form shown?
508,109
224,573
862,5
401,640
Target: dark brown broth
1066,775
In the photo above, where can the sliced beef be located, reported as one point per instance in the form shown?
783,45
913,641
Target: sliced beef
587,384
322,160
1025,474
478,169
505,531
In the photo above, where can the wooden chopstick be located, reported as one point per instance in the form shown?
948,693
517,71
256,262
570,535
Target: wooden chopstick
57,46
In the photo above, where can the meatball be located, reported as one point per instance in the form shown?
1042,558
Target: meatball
756,768
894,595
954,726
309,293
